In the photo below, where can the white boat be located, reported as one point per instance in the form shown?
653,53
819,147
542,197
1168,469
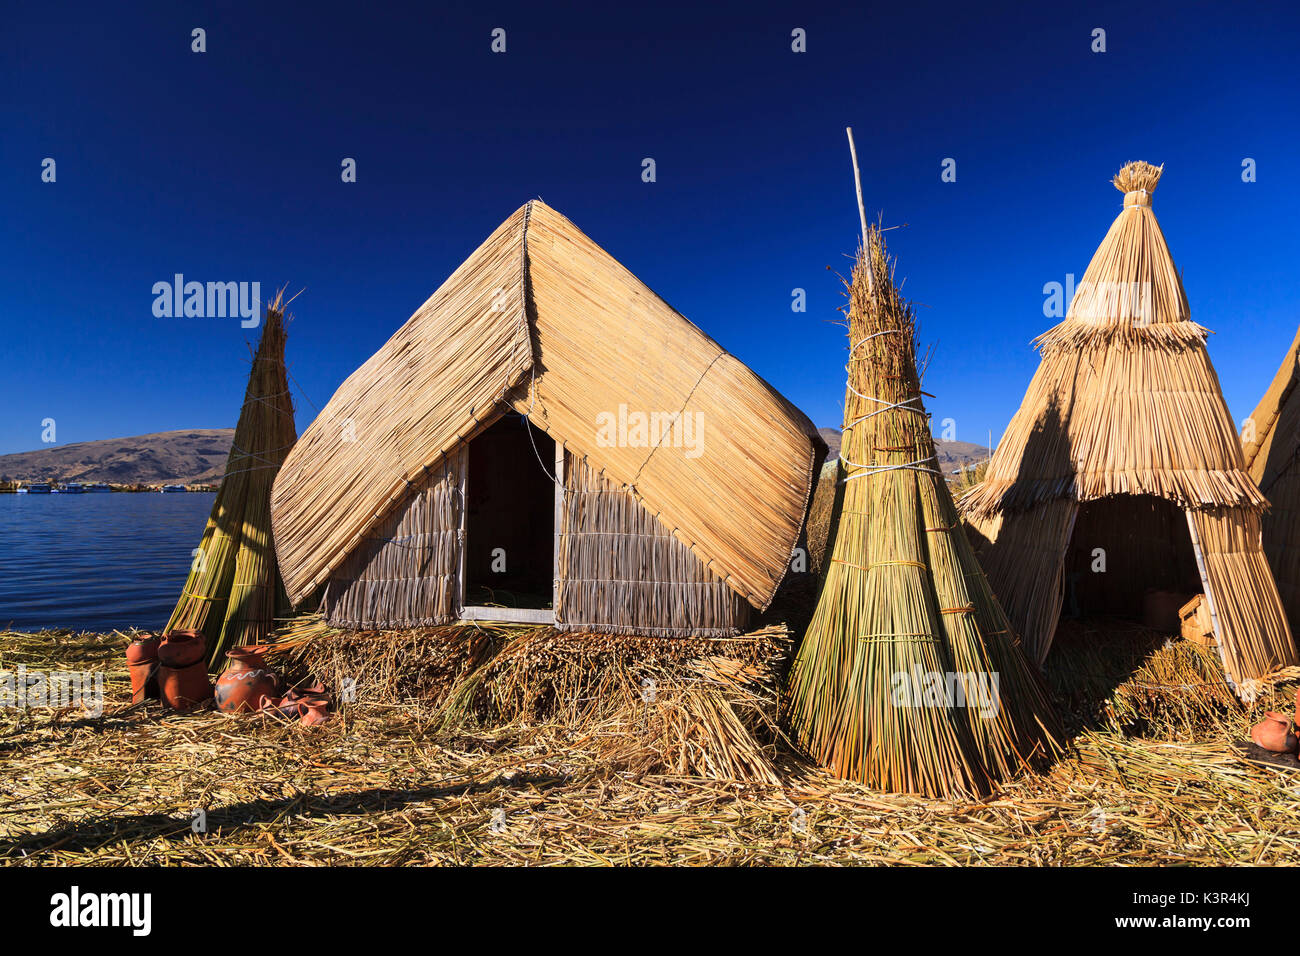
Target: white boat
37,488
173,489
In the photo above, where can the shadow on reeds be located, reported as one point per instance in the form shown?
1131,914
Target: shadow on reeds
93,834
1111,674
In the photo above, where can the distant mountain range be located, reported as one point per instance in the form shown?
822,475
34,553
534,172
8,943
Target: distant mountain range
198,456
952,454
194,456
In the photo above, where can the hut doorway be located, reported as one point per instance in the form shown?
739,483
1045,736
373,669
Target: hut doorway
509,524
1130,556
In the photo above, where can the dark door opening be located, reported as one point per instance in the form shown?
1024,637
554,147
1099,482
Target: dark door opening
1143,544
510,517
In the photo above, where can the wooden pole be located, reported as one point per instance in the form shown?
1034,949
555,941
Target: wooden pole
862,210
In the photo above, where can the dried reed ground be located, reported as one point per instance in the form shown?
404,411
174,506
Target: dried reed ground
388,785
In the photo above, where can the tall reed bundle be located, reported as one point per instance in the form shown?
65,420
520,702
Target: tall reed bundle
906,630
1127,403
233,593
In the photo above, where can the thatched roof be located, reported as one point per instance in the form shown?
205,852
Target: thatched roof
541,319
1271,438
1125,400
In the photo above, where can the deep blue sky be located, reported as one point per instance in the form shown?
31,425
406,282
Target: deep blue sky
225,166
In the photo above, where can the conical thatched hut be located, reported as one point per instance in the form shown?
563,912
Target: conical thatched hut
1271,439
1122,471
546,440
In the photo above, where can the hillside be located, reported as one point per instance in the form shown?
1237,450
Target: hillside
199,455
192,456
952,454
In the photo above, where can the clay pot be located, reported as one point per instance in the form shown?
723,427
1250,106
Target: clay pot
1273,733
246,681
181,648
142,662
143,649
313,711
184,688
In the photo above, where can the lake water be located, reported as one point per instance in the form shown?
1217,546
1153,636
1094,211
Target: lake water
96,562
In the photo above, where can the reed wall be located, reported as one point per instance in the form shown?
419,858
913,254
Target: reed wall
621,569
405,571
623,572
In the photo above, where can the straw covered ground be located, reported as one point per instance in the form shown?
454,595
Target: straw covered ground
588,771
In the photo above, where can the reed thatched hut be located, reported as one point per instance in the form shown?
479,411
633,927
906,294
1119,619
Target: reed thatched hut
1271,439
1122,471
547,440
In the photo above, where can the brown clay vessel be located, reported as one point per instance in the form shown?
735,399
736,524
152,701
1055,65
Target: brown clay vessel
246,681
1273,733
142,662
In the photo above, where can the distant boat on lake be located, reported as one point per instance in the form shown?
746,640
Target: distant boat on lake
173,489
99,486
35,488
73,488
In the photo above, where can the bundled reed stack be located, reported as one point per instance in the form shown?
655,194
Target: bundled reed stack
909,678
1271,439
233,593
1122,468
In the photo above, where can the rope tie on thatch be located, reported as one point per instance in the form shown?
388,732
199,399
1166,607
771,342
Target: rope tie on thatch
968,609
265,399
686,403
1141,199
881,564
863,341
918,465
899,638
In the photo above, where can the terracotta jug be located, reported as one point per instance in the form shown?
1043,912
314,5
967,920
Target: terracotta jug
142,662
246,680
182,675
1274,733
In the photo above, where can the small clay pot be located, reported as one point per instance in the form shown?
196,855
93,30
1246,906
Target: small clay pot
185,688
1273,733
246,681
181,648
313,711
142,662
142,649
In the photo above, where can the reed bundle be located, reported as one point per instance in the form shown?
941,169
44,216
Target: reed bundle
821,518
233,592
904,604
542,320
1126,403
